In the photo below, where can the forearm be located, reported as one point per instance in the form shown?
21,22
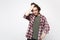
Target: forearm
29,11
26,15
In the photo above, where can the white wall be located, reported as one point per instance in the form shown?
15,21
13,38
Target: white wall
14,27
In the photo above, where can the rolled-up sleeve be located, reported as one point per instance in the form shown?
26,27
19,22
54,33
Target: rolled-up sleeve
27,17
46,26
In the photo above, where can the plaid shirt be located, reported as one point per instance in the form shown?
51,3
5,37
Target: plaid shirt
44,26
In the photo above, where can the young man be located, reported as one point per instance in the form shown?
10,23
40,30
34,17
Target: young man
38,25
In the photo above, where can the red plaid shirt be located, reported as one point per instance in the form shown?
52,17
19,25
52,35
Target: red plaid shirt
44,26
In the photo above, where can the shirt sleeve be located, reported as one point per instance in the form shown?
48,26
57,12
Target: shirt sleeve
46,26
27,17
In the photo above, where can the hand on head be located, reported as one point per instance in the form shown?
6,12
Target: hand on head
32,7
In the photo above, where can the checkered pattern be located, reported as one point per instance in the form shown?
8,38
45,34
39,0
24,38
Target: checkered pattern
44,26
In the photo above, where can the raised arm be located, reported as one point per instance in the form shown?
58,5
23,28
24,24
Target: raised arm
27,17
27,14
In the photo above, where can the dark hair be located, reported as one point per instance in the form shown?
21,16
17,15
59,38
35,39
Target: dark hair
36,6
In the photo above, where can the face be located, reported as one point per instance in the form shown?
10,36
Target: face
35,11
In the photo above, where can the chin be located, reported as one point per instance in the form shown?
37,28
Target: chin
35,14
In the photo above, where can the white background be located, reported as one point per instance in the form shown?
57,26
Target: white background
13,26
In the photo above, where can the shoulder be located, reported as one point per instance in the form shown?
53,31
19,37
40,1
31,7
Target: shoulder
42,16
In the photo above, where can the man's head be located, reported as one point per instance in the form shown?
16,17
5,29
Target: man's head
36,9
